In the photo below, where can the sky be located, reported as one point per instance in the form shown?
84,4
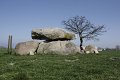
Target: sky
19,17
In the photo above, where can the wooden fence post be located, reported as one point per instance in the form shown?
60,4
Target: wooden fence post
9,44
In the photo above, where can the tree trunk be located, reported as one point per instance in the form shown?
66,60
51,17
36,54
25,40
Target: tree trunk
81,43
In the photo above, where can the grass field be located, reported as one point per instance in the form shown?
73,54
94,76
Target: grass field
105,66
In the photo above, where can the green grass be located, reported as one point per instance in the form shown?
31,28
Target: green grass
60,67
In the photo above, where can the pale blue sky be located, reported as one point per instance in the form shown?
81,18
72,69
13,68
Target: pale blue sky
19,17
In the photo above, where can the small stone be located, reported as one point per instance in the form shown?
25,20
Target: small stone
31,53
11,64
87,52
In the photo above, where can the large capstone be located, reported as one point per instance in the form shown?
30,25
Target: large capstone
51,34
25,48
58,47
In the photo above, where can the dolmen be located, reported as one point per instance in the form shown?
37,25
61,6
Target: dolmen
53,41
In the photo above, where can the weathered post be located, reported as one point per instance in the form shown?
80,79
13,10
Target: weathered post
10,44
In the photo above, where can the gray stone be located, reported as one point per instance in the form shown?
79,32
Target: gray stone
25,48
91,49
31,53
51,34
58,47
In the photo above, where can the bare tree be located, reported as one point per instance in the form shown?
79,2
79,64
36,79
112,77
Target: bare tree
81,26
